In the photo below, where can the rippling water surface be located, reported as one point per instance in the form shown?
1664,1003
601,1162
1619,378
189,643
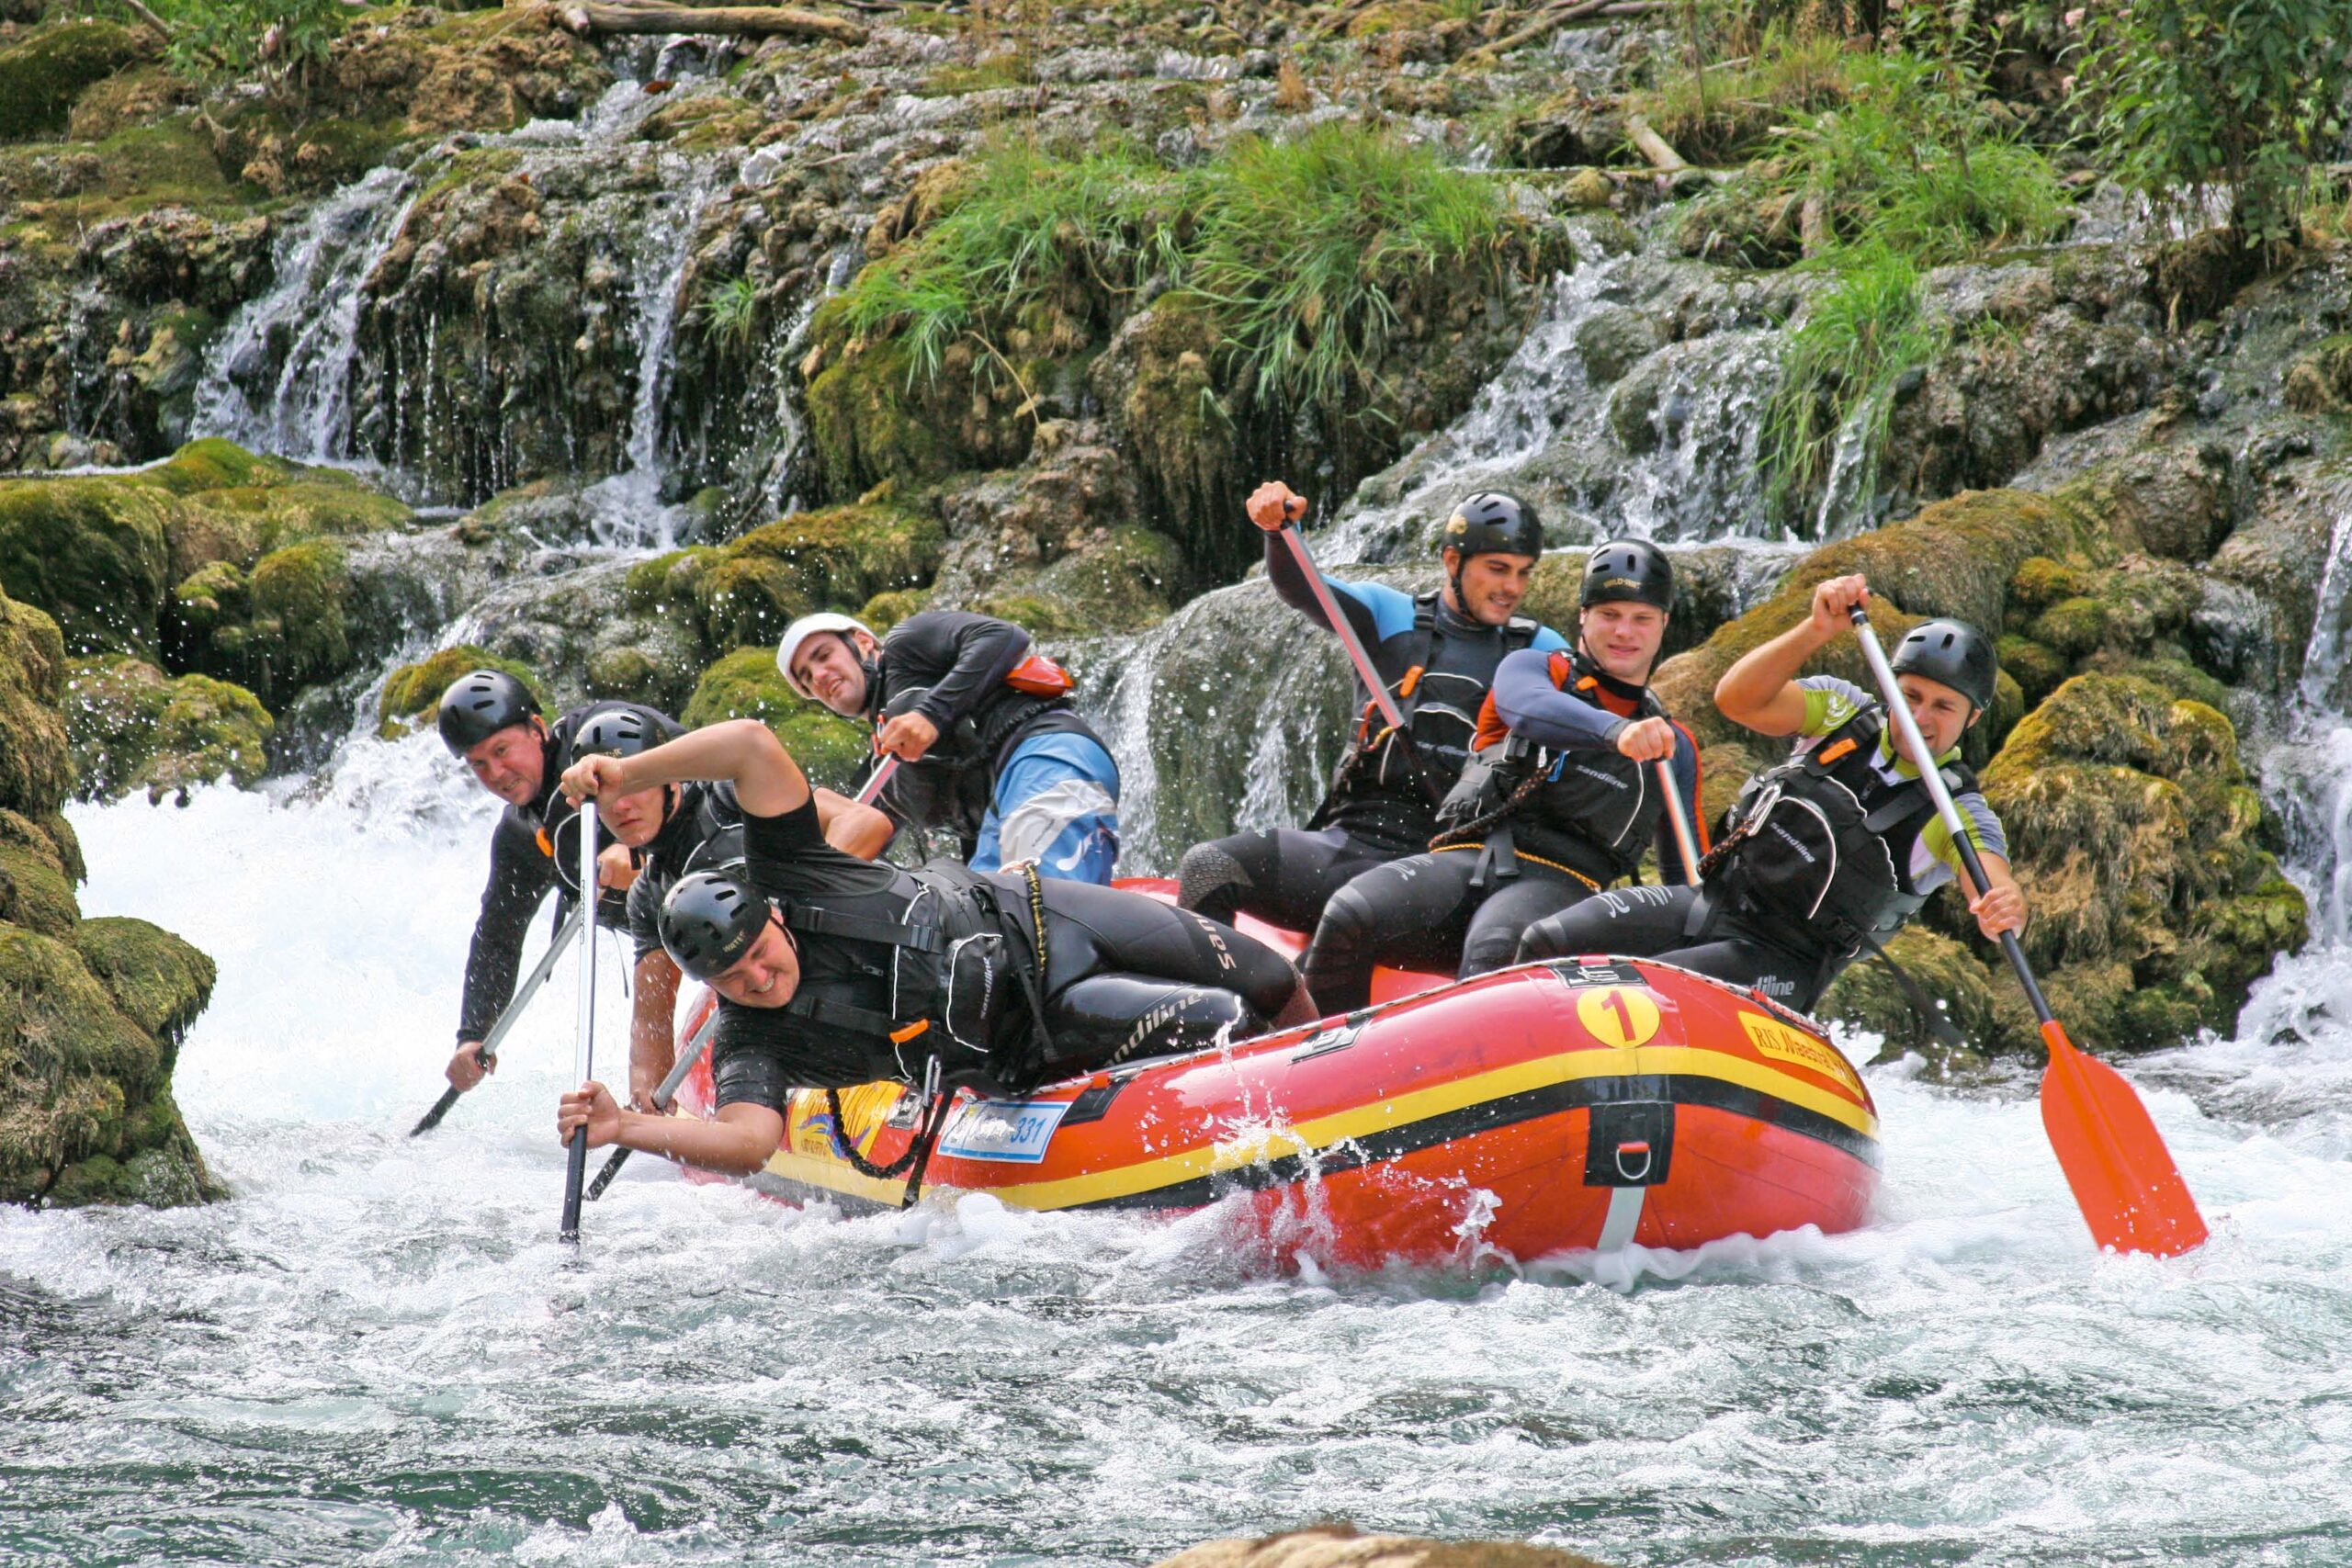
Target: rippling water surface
378,1352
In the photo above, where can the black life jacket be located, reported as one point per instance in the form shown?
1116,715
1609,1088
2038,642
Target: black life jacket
1593,812
938,942
1376,792
1821,844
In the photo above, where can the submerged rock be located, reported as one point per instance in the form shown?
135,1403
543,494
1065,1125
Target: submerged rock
91,1011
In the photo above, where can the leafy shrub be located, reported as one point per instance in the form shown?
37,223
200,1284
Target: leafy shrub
2187,96
230,37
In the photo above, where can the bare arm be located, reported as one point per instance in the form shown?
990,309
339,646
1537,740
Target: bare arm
2001,908
854,829
1760,692
743,751
652,1026
738,1143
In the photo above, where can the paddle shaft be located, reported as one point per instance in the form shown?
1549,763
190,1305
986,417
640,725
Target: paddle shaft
1907,728
584,1052
871,790
507,1020
1684,839
1344,629
663,1094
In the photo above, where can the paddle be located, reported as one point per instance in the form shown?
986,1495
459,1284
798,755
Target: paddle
1684,839
2124,1178
584,1057
507,1020
1344,629
663,1094
668,1089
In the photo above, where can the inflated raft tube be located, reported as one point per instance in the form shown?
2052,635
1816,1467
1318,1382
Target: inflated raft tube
1573,1104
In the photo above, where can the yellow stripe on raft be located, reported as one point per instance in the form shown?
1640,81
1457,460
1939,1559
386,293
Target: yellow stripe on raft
1438,1100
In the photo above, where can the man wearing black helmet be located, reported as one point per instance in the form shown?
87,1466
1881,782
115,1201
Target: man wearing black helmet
1832,850
663,834
835,971
1437,653
1561,799
992,748
491,721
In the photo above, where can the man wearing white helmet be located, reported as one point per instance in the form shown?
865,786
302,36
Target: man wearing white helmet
990,746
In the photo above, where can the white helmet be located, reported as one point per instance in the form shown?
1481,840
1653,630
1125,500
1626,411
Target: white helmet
804,629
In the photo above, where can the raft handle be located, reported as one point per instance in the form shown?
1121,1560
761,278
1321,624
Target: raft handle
1633,1147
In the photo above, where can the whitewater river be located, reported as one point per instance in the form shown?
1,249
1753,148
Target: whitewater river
378,1352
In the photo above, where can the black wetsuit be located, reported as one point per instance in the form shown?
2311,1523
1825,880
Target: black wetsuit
522,869
1462,908
1124,976
1377,809
961,661
702,830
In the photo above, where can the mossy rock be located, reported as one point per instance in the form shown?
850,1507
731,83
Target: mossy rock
1868,997
1956,559
2319,381
875,414
85,1085
134,728
412,694
214,463
2036,667
1120,583
36,758
838,559
159,981
887,609
2137,837
44,73
2039,582
747,684
276,629
34,892
94,552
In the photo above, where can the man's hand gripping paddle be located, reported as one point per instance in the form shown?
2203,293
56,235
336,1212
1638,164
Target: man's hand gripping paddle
584,1055
507,1020
667,1091
2124,1178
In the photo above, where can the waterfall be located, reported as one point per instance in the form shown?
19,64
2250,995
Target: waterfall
278,379
2309,771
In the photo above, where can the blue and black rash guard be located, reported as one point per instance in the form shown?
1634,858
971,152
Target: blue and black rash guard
1377,800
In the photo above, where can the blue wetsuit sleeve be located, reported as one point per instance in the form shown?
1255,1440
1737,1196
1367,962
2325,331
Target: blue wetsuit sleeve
1548,641
1526,700
1375,611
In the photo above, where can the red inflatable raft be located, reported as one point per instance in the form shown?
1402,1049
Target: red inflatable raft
1572,1104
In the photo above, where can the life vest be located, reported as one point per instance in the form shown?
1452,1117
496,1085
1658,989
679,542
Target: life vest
1376,786
956,777
1822,843
1594,813
938,942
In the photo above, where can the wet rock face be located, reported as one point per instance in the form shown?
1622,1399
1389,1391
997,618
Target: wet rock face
91,1011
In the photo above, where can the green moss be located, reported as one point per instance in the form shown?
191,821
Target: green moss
2072,627
93,552
666,581
160,982
34,892
36,759
44,73
1120,583
2039,582
134,728
412,694
1868,997
747,684
838,558
871,421
75,1064
2036,667
887,609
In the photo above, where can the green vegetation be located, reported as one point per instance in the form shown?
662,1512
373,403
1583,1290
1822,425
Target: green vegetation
2188,96
1713,112
1310,252
40,76
1912,172
731,311
230,37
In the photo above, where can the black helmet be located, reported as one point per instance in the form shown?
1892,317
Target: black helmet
1628,570
1954,653
1491,522
479,705
709,921
619,732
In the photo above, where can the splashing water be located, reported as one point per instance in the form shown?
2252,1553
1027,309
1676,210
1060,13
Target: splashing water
377,1351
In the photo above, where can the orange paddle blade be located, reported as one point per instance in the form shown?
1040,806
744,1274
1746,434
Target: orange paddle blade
2123,1176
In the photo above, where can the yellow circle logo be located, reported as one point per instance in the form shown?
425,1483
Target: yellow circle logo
1615,1016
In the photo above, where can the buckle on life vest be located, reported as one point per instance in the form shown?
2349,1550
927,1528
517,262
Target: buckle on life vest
547,845
1405,687
1843,747
900,1036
